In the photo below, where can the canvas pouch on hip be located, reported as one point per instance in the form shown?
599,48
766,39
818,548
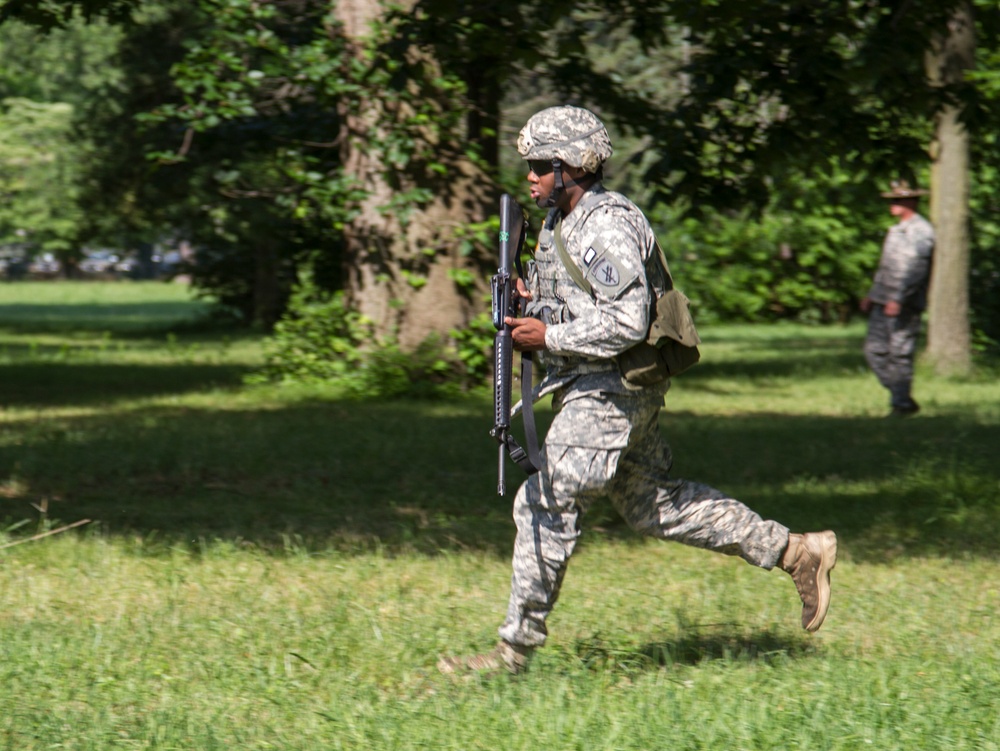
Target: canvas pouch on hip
671,346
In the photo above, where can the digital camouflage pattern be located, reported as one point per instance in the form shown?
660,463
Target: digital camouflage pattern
902,277
904,267
890,346
572,134
604,442
608,446
613,245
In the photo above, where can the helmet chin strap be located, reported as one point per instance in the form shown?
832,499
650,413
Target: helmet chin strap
557,187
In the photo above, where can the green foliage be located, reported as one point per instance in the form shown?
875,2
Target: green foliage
40,152
67,65
222,131
319,338
720,106
984,278
986,75
807,257
38,176
322,339
786,85
474,347
58,14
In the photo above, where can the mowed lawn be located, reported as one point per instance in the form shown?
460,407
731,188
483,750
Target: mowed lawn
273,567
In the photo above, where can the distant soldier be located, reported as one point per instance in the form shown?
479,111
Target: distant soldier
604,442
898,296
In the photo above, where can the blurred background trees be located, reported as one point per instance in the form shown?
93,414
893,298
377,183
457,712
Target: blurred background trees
314,151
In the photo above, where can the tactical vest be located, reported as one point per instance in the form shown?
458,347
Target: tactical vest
670,346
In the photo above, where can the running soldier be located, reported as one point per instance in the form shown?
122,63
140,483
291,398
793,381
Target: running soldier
604,442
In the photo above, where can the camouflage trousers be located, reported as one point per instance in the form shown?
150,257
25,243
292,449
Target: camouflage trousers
608,446
889,349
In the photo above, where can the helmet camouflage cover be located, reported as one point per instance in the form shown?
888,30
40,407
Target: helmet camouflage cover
572,134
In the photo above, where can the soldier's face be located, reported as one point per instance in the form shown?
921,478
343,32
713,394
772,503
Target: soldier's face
542,183
902,207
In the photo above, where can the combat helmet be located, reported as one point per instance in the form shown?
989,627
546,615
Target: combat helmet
573,135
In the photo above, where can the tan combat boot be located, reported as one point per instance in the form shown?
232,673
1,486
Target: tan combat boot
504,656
809,559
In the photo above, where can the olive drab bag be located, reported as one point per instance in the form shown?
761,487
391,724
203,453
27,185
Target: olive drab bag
671,344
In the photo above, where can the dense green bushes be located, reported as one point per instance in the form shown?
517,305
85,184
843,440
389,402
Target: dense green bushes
322,338
809,258
808,268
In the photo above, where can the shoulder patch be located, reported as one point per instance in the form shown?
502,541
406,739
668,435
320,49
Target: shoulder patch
606,272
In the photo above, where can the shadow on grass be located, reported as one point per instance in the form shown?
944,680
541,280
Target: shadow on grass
38,318
693,647
802,364
420,476
75,384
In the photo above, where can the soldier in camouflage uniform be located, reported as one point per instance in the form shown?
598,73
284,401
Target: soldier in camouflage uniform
604,442
898,296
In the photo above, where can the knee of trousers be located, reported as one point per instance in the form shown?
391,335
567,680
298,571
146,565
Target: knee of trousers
875,349
574,474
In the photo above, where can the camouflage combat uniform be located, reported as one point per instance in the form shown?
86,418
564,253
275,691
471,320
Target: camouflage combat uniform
901,277
604,442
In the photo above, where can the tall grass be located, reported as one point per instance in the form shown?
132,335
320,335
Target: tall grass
273,568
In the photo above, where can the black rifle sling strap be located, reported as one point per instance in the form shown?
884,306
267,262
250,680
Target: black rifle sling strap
528,460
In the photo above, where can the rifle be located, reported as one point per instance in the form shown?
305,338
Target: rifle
507,303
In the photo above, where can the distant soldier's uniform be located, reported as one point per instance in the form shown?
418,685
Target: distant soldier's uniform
604,441
902,277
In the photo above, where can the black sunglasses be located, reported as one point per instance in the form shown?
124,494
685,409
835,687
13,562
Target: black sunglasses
540,167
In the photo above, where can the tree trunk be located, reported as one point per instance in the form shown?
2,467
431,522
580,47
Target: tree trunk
401,258
948,335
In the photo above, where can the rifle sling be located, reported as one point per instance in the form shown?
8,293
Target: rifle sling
528,460
577,275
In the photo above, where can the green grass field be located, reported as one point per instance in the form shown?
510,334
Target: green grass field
273,568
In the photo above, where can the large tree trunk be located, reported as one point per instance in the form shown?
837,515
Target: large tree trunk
402,263
948,336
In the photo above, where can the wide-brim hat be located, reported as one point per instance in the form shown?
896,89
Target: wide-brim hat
902,189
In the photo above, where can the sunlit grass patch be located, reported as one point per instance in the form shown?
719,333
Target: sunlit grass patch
274,567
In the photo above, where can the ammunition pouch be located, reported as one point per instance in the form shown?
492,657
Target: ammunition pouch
670,347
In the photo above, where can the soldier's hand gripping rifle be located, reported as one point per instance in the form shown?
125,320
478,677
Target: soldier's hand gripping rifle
507,303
